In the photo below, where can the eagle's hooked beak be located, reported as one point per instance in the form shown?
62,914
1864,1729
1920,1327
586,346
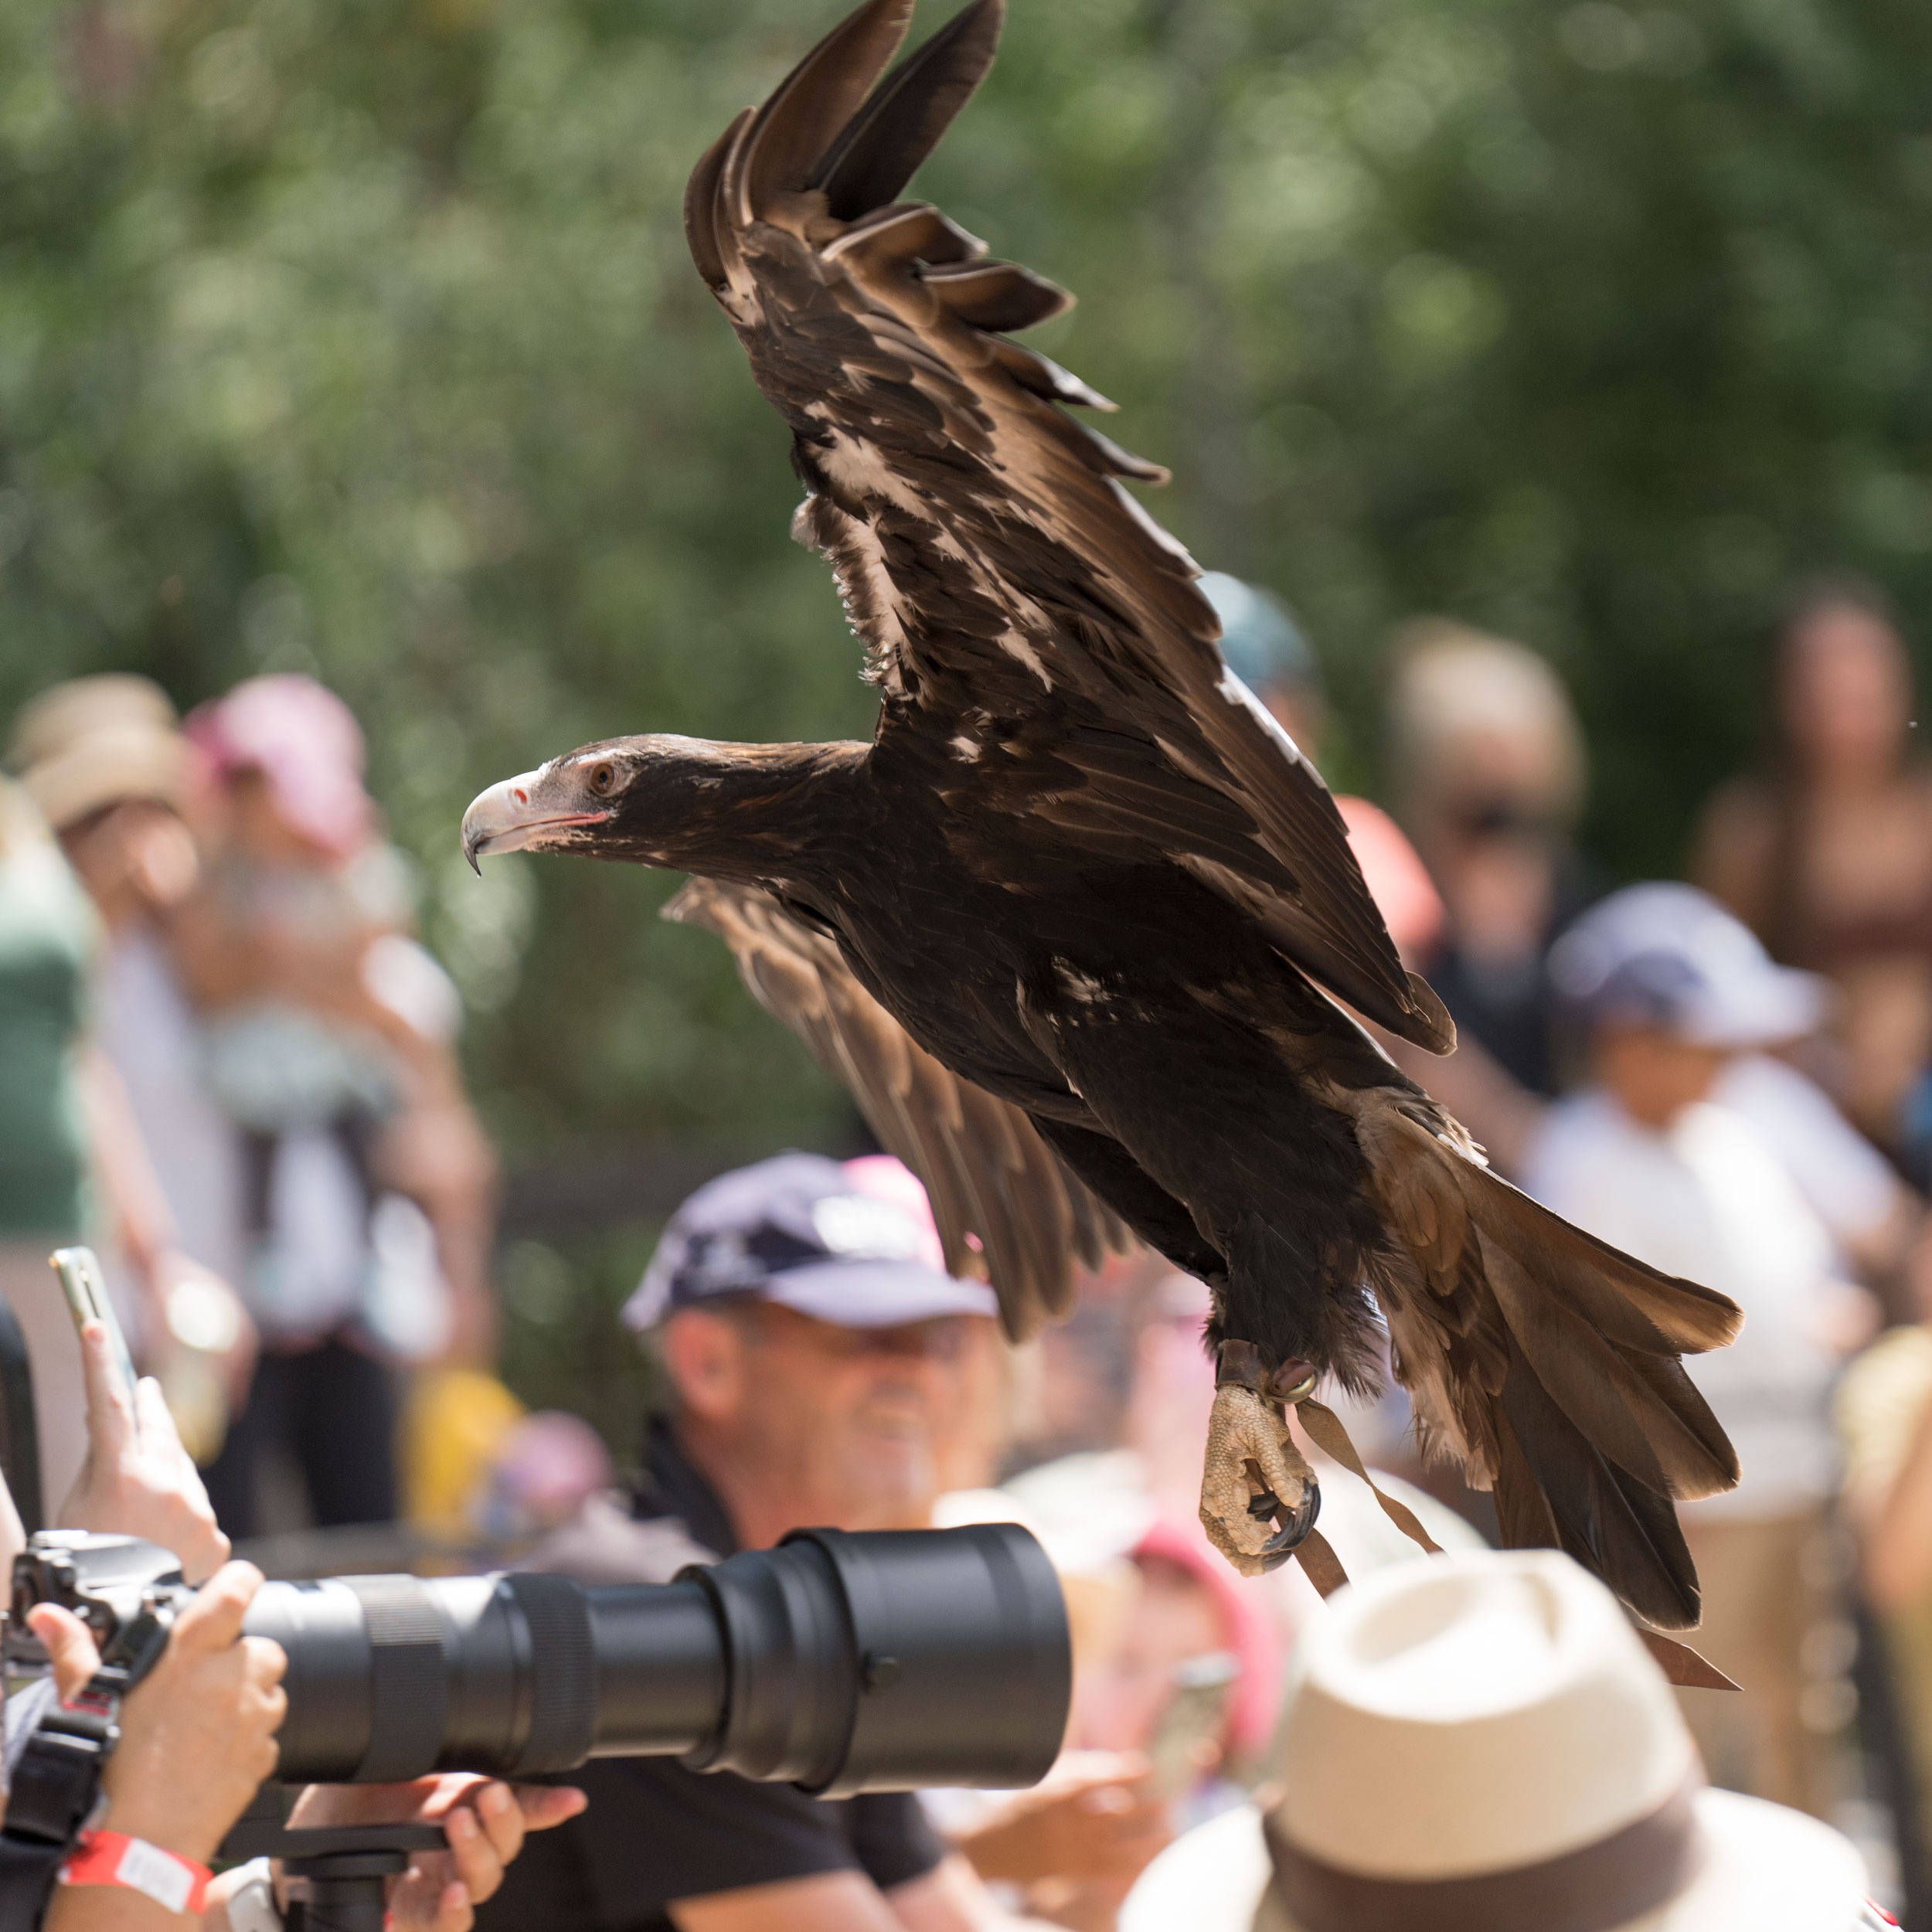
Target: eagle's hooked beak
511,817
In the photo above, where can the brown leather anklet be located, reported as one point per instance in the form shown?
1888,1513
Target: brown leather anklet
1237,1365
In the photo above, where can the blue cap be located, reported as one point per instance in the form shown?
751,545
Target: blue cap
1669,955
1260,643
795,1230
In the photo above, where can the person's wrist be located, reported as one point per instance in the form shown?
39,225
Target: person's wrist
169,1824
122,1862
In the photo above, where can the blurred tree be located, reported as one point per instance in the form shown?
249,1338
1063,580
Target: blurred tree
358,335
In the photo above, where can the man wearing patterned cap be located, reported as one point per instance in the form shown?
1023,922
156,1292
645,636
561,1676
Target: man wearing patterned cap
814,1350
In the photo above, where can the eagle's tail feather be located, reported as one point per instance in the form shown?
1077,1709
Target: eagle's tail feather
1594,1408
1547,1362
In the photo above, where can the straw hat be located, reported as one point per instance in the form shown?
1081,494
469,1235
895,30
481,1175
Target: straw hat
1481,1743
95,742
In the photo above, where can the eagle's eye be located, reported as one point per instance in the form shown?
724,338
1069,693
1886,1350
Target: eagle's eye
603,780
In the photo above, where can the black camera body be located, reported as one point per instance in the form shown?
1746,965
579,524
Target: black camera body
839,1662
112,1584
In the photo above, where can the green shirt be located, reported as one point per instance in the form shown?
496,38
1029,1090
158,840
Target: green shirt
47,934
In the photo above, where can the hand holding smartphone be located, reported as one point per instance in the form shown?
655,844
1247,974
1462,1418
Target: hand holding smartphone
137,1480
86,1288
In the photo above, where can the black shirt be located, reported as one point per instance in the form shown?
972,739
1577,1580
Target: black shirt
655,1833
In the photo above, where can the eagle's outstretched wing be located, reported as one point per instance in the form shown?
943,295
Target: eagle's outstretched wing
1005,1206
1039,642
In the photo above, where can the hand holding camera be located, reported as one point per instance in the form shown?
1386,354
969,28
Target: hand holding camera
198,1737
486,1821
198,1732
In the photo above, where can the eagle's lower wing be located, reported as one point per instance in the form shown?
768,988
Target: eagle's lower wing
1039,639
1005,1206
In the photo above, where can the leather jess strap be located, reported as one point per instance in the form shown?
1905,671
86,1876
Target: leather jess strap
1593,1889
1239,1365
1325,1431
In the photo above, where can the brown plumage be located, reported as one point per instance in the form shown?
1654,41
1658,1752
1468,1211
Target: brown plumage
1005,1204
1080,924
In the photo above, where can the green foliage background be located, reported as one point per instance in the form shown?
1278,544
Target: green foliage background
358,335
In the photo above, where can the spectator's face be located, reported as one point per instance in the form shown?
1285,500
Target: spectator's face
1500,889
1174,1617
849,1425
1652,1075
134,858
259,827
1847,695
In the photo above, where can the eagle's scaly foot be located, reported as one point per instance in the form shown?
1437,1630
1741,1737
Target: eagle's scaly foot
1253,1472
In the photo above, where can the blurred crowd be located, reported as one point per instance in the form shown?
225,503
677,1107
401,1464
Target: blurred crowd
1725,1075
227,1061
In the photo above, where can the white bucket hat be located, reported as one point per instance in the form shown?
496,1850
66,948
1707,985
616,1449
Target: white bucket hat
1481,1743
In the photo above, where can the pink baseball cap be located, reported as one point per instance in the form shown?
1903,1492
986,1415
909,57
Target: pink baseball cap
305,742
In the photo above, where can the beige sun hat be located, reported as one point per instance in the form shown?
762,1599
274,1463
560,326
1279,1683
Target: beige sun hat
1481,1743
98,741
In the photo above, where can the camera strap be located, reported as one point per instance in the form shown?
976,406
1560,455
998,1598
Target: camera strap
54,1792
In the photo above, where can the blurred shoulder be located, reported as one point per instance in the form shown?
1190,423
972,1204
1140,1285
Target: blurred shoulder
604,1543
1735,845
1578,1130
1898,1364
1877,1406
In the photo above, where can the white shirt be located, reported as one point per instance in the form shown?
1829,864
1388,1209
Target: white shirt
1709,1199
147,1029
1849,1183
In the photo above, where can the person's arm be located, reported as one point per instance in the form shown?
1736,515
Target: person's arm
828,1902
1896,1528
13,1532
99,1908
949,1899
142,1222
1095,1824
1734,851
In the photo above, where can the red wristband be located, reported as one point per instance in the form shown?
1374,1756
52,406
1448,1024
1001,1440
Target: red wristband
112,1858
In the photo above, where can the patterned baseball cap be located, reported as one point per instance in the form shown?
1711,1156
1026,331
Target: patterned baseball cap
824,1239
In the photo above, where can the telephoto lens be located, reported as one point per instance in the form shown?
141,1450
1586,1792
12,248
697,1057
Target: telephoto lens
838,1662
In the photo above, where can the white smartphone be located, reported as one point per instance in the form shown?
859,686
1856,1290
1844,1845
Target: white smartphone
86,1288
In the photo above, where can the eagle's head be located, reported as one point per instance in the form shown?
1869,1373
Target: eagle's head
688,805
601,800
